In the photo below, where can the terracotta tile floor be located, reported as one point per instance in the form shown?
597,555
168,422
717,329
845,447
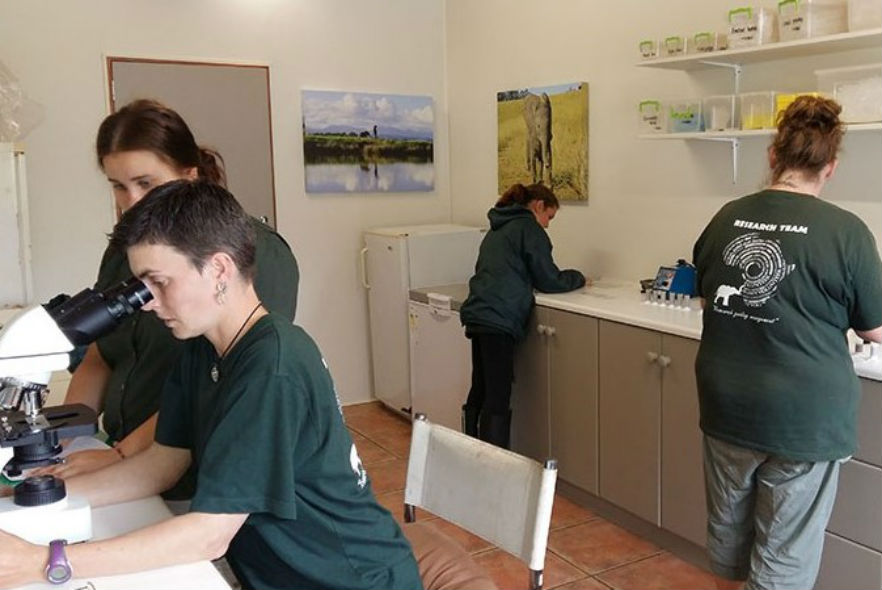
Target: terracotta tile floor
585,552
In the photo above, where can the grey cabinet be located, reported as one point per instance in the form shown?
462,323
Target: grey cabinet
630,412
554,398
650,442
683,509
848,566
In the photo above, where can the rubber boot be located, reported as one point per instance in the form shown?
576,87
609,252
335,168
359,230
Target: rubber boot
494,428
470,420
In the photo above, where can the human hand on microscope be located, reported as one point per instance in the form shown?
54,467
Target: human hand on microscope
80,462
20,562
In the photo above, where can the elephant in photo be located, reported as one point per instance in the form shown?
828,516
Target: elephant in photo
537,117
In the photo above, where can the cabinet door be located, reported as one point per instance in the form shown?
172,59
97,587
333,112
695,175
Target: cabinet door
683,509
529,400
857,514
629,418
572,354
870,423
848,566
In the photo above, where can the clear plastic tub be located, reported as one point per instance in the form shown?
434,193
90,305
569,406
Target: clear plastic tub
684,116
651,117
719,112
757,110
752,25
801,19
706,42
864,14
648,49
858,89
674,46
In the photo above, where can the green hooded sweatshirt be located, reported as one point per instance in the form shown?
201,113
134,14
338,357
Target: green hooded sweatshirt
514,259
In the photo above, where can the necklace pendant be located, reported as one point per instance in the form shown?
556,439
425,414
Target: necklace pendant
215,372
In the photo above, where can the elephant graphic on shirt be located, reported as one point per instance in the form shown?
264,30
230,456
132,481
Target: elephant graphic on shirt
724,292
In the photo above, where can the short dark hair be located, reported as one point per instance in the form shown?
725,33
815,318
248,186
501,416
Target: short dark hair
195,217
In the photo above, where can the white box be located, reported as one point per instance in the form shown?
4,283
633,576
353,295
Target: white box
757,110
674,46
858,89
752,25
648,49
719,112
802,19
651,117
864,14
705,42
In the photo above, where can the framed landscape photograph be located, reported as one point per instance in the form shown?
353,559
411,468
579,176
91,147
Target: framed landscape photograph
358,142
543,138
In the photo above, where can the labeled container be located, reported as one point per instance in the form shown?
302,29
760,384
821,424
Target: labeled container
706,42
858,89
674,46
784,100
651,117
757,110
802,19
648,49
684,116
864,14
750,26
719,112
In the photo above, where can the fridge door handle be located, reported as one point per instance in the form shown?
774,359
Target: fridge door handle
363,266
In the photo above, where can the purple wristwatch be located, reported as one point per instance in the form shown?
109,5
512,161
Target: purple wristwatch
58,570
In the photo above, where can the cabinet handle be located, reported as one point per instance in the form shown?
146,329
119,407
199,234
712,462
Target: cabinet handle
664,361
550,330
541,329
651,357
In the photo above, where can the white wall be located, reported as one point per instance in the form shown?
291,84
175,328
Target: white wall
649,200
56,50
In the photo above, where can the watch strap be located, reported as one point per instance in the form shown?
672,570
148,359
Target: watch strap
58,570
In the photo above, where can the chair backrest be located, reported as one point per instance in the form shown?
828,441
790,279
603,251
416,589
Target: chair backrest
496,494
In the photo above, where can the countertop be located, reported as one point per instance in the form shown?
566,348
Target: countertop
621,301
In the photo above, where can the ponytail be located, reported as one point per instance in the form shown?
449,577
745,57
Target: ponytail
518,194
211,167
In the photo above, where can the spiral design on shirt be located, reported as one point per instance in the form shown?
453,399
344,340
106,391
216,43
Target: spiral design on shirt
762,266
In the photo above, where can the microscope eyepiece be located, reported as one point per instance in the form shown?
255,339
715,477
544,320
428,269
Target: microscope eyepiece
90,314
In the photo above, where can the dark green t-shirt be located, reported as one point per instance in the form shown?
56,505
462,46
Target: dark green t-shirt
269,440
141,351
784,275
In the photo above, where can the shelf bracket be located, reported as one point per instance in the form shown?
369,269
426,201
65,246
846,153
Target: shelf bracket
736,71
736,144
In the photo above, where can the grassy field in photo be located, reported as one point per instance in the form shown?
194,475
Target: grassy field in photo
328,148
569,144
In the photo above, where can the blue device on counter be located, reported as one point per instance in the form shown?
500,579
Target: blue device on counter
676,279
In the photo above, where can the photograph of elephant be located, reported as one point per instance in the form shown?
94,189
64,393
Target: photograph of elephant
357,142
543,137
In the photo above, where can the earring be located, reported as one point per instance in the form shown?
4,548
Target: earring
221,295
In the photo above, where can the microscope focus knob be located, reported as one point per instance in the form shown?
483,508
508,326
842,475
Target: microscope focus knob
39,490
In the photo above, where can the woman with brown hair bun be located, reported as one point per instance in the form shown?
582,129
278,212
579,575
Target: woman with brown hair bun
139,147
782,276
514,259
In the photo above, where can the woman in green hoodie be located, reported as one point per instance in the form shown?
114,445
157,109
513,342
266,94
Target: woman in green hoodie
515,258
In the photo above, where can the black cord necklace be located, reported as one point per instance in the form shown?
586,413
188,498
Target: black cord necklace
215,366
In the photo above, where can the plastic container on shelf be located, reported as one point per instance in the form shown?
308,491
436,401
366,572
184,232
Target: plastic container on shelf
719,112
684,116
802,19
651,117
864,14
857,88
757,110
673,46
750,26
783,100
648,49
706,42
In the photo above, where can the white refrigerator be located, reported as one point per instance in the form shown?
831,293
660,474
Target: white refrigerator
394,261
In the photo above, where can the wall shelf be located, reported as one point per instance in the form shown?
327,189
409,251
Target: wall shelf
737,133
868,39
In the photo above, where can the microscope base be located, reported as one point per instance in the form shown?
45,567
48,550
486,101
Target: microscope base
69,518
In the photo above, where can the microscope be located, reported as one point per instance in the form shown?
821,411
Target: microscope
33,344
